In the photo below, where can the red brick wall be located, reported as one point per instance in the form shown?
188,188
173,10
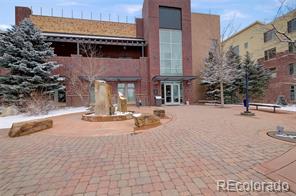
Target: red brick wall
282,83
21,13
151,35
106,67
140,27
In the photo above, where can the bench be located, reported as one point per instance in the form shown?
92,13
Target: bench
209,101
257,105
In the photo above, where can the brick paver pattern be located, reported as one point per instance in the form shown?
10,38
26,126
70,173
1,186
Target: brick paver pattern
184,157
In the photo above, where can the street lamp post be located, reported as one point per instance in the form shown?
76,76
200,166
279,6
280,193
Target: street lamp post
246,101
247,89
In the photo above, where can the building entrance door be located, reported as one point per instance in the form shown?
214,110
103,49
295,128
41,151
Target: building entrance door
172,93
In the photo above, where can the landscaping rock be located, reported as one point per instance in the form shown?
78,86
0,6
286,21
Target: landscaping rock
122,104
146,120
159,113
29,127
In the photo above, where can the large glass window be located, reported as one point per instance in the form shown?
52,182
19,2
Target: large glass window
171,52
128,90
170,18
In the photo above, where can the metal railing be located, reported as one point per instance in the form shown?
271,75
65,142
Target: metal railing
90,15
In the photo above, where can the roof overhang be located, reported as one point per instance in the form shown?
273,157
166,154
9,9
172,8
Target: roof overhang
103,40
116,78
174,78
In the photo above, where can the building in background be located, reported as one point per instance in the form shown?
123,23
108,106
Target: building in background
269,48
162,54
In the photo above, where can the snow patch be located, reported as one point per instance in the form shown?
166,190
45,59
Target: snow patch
290,108
6,122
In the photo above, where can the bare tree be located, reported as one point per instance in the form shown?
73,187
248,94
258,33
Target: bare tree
85,73
285,8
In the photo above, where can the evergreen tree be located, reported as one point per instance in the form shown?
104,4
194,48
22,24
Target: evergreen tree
258,78
24,52
217,74
212,87
231,90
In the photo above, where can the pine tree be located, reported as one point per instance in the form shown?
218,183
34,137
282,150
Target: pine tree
217,74
231,90
24,52
258,78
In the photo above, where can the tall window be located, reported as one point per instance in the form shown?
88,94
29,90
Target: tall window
293,93
171,52
292,69
269,35
128,90
269,54
292,25
292,47
236,50
246,45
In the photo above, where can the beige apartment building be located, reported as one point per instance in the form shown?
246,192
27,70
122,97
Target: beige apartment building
272,49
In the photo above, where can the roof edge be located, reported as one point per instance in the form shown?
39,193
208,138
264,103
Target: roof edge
244,29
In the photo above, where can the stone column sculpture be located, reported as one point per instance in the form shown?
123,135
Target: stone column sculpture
122,103
103,95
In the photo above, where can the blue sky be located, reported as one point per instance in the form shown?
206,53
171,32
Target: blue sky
240,12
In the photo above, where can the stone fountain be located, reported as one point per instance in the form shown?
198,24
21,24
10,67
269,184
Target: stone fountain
104,111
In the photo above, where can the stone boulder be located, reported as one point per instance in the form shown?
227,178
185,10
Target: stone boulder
159,113
146,120
29,127
103,98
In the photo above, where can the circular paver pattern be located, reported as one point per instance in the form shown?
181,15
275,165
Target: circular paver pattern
184,157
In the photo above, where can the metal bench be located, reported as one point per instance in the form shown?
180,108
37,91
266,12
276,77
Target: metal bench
257,105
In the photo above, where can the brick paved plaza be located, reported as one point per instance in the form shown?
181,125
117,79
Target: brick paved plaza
185,156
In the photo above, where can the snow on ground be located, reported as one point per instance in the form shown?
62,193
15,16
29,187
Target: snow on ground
6,122
290,108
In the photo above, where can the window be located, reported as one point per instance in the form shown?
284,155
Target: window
171,52
292,26
269,35
128,90
246,45
214,44
170,18
293,93
292,47
269,54
273,72
292,69
59,96
235,49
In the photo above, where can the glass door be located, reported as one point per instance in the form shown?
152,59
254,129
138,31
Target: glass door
172,93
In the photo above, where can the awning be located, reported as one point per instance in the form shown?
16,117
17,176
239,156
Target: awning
104,40
119,78
174,78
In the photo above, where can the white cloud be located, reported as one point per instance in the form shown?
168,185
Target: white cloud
131,8
233,14
4,27
71,3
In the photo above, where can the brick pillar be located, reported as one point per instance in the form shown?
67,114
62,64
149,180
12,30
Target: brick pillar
21,13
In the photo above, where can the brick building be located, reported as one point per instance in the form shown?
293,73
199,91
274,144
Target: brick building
161,54
268,49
